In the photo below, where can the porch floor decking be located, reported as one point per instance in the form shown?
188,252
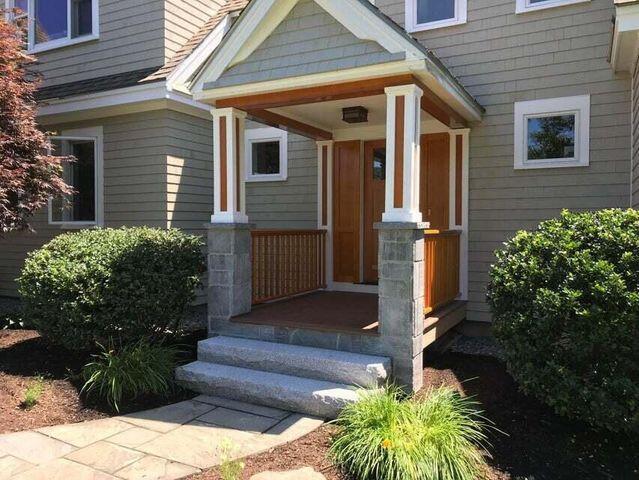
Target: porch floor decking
330,311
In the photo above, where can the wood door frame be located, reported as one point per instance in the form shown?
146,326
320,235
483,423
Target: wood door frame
368,254
357,206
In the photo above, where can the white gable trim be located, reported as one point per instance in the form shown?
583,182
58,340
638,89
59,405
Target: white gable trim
268,14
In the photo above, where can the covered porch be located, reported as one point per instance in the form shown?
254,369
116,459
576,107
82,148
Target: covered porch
389,249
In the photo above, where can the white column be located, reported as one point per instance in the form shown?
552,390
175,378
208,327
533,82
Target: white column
402,154
325,200
229,202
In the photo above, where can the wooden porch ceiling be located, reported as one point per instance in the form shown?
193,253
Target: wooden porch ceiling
257,105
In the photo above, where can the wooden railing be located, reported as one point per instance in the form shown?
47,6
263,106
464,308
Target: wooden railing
287,262
441,258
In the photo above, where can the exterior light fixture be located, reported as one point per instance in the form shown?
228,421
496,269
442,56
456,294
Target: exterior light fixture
355,115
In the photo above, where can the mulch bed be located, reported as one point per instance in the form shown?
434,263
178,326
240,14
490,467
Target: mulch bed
538,445
25,356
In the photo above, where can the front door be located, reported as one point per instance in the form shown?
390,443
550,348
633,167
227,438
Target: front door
374,190
434,191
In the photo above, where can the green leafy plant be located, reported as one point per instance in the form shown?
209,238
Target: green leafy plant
33,393
565,302
386,437
133,370
230,467
101,284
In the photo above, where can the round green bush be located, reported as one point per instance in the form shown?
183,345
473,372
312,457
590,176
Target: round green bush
565,301
111,285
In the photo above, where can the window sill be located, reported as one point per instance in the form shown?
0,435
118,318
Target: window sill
550,164
435,25
74,225
62,43
523,8
266,178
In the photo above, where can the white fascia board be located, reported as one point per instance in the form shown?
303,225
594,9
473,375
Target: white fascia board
187,68
139,94
625,38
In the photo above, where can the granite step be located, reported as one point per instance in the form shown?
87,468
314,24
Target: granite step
364,371
310,396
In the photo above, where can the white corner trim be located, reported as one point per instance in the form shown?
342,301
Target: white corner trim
579,106
461,17
267,134
625,38
523,6
96,134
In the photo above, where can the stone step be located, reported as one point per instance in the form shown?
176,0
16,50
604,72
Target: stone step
304,395
364,371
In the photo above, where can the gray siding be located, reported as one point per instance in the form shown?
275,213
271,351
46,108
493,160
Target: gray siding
308,41
501,57
291,203
134,35
135,185
635,138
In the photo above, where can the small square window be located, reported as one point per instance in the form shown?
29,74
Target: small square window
429,14
266,154
552,132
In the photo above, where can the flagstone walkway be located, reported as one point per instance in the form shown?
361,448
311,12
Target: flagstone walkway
166,443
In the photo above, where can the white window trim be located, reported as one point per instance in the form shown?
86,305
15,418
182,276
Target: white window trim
524,6
60,42
97,136
269,134
461,14
578,106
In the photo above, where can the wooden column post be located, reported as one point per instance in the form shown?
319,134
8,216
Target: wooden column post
229,203
403,113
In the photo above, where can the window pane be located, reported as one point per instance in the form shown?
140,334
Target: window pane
50,20
435,10
379,164
80,174
551,137
266,158
81,18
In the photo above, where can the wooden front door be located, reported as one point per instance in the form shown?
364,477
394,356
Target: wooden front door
434,181
374,191
346,211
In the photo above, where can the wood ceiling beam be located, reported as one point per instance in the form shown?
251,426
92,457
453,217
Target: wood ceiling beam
260,102
288,124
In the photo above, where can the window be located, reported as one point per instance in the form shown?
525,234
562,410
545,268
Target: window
266,154
429,14
84,206
57,23
552,133
531,5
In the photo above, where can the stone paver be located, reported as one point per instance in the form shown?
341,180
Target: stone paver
86,433
154,468
165,419
105,456
33,447
63,469
10,466
165,443
247,422
134,437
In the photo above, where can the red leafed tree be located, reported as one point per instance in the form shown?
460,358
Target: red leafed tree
28,174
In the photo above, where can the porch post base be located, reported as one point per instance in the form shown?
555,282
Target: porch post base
229,273
401,299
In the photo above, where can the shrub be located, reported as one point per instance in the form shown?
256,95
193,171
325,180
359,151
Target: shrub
383,437
565,301
33,393
103,285
130,372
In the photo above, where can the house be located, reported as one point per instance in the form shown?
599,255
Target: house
356,162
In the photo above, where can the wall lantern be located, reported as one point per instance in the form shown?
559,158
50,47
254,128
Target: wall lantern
355,115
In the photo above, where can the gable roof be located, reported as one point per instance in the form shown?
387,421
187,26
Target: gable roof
231,6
